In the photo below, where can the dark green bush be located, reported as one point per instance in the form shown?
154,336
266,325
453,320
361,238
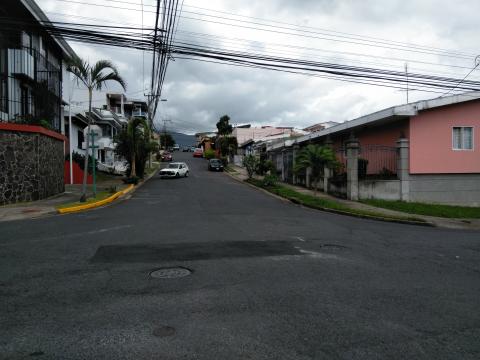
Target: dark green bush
270,180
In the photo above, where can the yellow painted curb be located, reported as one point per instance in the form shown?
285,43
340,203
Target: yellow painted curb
96,203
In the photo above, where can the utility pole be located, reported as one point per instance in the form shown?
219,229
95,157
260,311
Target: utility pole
165,131
150,99
406,74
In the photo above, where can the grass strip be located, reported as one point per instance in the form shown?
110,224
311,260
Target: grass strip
100,196
322,204
445,211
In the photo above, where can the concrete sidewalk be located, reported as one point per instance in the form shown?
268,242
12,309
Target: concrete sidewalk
469,224
72,194
48,206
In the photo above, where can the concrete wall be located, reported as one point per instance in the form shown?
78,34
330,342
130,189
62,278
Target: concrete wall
338,189
31,166
457,189
379,189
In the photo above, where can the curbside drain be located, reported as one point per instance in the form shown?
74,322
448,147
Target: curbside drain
170,273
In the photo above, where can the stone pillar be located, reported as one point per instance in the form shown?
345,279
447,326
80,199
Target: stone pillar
403,168
295,151
353,147
326,176
327,173
308,175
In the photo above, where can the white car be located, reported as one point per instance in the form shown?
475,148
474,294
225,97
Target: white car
175,169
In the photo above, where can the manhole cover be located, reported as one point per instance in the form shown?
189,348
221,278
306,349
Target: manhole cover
170,273
164,331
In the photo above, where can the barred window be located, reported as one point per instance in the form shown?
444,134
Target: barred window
462,138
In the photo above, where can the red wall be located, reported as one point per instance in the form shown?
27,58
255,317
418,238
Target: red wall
77,174
386,135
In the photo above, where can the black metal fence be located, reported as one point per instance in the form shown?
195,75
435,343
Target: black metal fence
380,160
30,88
374,161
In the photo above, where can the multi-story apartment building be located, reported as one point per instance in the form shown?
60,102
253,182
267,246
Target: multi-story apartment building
32,63
121,105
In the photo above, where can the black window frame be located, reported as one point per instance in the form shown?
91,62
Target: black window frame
80,139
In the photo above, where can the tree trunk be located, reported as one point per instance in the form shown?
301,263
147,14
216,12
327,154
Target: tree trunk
83,198
133,170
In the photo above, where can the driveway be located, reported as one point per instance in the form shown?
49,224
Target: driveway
255,278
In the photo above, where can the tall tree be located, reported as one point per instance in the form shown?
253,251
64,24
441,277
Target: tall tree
134,144
94,78
139,135
223,126
166,140
315,157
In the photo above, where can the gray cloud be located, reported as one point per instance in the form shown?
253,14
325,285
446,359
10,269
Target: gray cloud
199,93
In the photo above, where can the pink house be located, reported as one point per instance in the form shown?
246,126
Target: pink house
436,160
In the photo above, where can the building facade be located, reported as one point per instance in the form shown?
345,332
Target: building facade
31,67
424,151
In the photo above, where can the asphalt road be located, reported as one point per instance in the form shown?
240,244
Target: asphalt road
270,280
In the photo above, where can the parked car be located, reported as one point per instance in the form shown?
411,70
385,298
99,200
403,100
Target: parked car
176,147
175,170
186,149
166,156
198,152
215,165
192,148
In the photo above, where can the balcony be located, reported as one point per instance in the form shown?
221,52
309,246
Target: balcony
139,113
21,63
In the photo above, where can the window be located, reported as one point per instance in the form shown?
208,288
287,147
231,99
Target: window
26,40
462,138
80,139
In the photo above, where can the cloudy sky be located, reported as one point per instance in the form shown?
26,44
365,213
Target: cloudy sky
199,93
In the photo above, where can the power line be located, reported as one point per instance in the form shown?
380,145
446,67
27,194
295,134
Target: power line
366,42
477,63
284,45
297,28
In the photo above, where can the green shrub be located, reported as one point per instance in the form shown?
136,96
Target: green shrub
251,163
270,180
266,166
209,154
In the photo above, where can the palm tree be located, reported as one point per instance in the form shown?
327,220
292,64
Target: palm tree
133,143
315,157
138,134
93,77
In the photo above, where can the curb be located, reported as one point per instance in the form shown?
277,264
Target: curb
96,203
338,212
258,188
